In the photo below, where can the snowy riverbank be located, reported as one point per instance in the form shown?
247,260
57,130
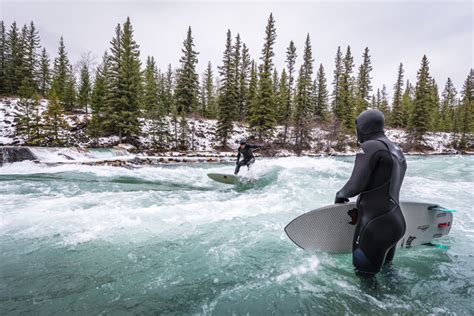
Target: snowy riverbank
201,143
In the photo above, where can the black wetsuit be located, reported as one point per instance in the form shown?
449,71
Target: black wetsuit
248,157
377,177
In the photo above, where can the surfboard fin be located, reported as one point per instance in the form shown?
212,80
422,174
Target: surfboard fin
440,209
430,244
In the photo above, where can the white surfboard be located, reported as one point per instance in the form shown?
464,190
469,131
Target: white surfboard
224,178
328,229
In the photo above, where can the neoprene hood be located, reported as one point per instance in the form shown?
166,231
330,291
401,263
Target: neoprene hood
368,124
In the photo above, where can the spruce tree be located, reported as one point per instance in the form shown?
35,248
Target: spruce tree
84,96
303,103
209,106
262,120
290,64
282,97
275,82
397,118
435,107
236,59
30,58
3,59
61,80
187,85
253,90
420,118
363,83
166,96
383,106
14,60
227,94
54,123
448,106
150,78
243,85
44,73
69,93
346,93
322,95
27,119
99,96
467,110
337,106
407,104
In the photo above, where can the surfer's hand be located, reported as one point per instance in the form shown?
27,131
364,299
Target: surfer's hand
354,214
340,200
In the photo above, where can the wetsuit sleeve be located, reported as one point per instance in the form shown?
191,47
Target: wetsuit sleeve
238,156
255,146
362,170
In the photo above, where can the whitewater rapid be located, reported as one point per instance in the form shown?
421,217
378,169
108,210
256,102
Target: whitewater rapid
99,239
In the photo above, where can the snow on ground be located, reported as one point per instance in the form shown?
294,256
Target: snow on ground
201,135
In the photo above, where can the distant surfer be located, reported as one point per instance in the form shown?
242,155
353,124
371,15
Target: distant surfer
377,177
248,158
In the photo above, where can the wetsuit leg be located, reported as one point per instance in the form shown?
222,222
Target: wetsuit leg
240,164
390,255
250,162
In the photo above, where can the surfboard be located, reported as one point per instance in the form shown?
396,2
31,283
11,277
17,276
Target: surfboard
224,178
328,229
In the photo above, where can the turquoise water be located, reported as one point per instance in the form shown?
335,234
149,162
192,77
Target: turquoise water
168,240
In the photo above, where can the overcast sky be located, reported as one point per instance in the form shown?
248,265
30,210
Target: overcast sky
394,31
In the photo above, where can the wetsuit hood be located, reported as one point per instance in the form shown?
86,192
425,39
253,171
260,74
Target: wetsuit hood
369,124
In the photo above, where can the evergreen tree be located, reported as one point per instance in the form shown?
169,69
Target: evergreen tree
397,118
54,123
346,91
236,60
363,83
282,98
253,90
407,104
150,95
61,73
30,58
99,96
337,106
262,120
383,105
166,95
183,132
467,110
275,82
322,95
69,93
27,119
435,107
187,85
243,85
209,106
84,96
3,59
290,64
420,118
227,94
303,103
448,106
125,94
44,73
14,60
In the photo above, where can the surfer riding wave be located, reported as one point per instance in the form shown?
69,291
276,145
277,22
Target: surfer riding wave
248,158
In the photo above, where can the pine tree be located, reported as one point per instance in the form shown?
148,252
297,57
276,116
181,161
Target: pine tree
243,85
44,73
14,60
303,103
467,110
290,64
282,97
275,82
383,106
227,94
209,106
69,93
166,96
187,85
346,91
84,96
363,83
150,95
183,132
27,119
61,72
54,123
337,106
30,58
420,118
236,60
262,120
252,91
99,96
448,106
125,93
407,104
322,95
435,107
397,118
3,59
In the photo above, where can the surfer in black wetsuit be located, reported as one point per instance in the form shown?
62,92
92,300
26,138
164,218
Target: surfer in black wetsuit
377,177
248,157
